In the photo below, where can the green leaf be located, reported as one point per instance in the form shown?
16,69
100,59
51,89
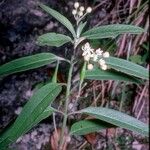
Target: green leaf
111,31
127,67
117,118
46,113
62,19
32,113
27,63
136,59
98,74
49,110
80,28
53,39
88,126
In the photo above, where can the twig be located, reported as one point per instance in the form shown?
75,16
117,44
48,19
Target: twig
54,122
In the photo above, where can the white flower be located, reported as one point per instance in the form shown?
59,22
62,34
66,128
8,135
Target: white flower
80,13
87,45
76,5
99,52
91,54
90,66
89,10
104,67
87,50
102,62
106,54
74,12
82,8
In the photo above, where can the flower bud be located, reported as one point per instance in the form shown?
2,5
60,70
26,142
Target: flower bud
106,55
89,10
104,67
87,45
80,13
95,57
102,62
82,8
76,5
87,58
74,12
90,66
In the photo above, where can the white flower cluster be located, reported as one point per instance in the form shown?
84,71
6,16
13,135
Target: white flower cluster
79,11
95,55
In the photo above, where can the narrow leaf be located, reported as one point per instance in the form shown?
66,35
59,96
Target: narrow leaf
46,113
53,39
27,63
111,31
80,28
62,19
127,67
98,74
88,126
32,113
117,118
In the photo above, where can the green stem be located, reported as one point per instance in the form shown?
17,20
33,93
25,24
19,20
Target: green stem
123,96
66,104
82,76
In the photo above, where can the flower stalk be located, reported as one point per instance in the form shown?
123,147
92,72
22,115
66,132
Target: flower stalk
66,104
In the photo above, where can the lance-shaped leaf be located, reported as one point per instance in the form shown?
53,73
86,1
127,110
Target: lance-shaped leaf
127,67
117,118
46,113
98,74
53,39
62,19
88,126
111,31
80,28
32,113
27,63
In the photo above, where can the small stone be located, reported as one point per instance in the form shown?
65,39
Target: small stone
18,110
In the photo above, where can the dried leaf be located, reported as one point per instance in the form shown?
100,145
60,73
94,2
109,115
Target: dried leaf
54,140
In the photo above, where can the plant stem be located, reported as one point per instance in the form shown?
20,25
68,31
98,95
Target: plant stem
123,97
82,76
66,104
